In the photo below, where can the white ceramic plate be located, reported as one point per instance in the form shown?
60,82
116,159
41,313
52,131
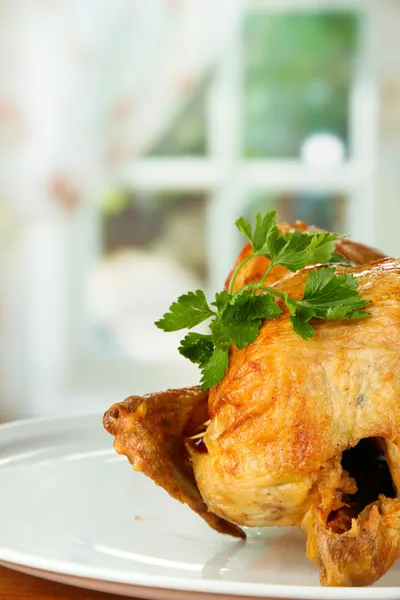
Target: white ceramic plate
71,510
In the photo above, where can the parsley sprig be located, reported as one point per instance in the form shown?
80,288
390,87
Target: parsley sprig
236,316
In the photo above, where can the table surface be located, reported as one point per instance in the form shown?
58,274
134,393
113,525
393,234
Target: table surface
16,586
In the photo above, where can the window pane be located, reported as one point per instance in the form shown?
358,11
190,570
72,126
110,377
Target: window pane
297,76
167,223
187,133
153,250
325,210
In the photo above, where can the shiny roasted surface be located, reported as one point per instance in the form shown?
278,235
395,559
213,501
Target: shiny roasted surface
287,409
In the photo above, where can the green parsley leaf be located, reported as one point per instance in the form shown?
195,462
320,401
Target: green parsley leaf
256,306
198,348
292,250
322,247
324,290
238,324
344,313
295,252
222,299
301,315
337,258
233,328
326,296
266,234
189,310
214,370
245,228
302,249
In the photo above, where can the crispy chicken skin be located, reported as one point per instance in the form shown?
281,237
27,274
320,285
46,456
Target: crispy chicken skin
280,422
285,412
150,432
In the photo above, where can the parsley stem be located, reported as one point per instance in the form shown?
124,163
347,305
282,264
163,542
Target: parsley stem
236,271
256,286
267,272
259,284
272,291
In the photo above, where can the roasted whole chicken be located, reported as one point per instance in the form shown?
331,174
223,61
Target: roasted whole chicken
296,433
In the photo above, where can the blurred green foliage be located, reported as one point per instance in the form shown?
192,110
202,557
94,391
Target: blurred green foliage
114,201
298,70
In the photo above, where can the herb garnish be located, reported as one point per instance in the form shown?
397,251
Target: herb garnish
236,317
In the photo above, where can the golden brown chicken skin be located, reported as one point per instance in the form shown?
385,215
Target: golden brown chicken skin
285,412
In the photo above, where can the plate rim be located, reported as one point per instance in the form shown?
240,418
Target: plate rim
208,586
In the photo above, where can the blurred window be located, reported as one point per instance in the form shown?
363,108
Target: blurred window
165,223
298,71
152,251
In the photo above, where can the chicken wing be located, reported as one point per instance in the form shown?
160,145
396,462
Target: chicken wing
151,430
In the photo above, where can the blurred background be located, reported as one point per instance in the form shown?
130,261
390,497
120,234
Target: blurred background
134,132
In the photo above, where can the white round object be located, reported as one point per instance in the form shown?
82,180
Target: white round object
323,151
